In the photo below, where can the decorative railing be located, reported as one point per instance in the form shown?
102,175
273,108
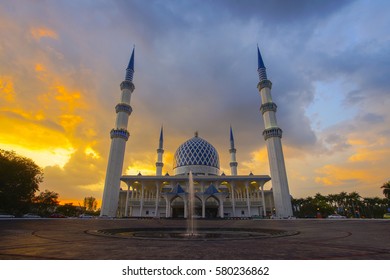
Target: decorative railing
123,107
127,85
272,132
120,133
270,106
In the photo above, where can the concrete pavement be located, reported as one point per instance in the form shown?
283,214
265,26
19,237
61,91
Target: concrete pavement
317,239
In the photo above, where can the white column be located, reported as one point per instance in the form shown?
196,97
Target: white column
263,199
141,207
221,211
157,197
166,207
247,198
127,201
233,199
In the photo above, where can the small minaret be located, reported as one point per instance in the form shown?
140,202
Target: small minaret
119,136
160,152
232,151
272,135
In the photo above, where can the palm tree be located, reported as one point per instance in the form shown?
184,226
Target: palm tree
386,189
341,202
332,199
354,199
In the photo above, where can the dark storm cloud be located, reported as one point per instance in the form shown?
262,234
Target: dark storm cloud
280,12
196,55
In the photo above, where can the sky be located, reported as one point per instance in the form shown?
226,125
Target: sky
61,64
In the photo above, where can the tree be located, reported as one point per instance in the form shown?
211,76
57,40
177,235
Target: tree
354,203
386,189
68,209
46,202
375,207
19,180
90,203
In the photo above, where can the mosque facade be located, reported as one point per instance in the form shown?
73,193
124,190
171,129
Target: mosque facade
216,194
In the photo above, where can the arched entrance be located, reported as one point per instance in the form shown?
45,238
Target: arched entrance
177,205
211,207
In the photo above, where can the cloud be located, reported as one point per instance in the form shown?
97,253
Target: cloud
41,32
61,65
373,118
7,88
82,175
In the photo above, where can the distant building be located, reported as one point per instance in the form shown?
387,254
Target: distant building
216,194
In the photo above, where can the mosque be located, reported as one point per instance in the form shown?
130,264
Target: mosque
217,195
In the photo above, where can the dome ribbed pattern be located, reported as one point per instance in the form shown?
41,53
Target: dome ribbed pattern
196,151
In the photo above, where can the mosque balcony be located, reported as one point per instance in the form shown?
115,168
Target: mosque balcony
256,204
134,202
123,107
242,201
127,85
150,200
272,132
150,203
120,133
264,84
270,106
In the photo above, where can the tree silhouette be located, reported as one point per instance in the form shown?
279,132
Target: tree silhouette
90,203
19,180
386,189
46,202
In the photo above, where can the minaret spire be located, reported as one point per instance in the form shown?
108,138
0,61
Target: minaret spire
130,68
160,145
231,138
272,136
232,151
119,136
260,66
160,152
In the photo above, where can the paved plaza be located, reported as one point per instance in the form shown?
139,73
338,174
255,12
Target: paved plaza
320,239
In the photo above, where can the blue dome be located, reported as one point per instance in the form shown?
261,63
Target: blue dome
196,151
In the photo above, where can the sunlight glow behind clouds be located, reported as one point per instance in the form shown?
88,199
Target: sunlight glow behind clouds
40,32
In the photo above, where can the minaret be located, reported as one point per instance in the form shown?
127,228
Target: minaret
160,151
232,151
272,135
119,136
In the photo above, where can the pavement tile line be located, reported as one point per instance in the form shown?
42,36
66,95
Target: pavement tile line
222,234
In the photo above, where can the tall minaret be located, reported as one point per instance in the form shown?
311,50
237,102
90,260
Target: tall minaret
119,136
272,135
232,151
160,151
